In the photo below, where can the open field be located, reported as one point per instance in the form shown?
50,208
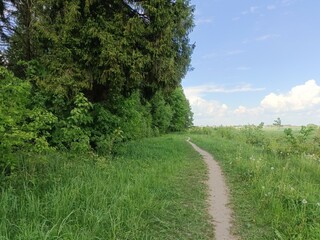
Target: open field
152,189
274,179
155,188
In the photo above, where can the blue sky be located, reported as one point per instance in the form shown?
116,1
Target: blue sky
255,61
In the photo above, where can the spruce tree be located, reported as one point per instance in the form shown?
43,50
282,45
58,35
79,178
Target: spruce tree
108,50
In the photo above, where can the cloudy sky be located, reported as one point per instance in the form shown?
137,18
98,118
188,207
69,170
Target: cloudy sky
255,61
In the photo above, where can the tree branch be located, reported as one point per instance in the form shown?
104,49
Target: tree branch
136,12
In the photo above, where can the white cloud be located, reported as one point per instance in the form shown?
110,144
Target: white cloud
288,2
209,56
271,7
267,37
251,111
212,112
203,20
243,68
241,109
205,108
253,9
227,53
301,97
234,52
206,112
204,89
299,106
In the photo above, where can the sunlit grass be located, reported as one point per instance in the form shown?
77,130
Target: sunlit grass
273,197
153,189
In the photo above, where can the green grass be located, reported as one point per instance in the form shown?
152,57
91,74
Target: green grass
152,189
273,197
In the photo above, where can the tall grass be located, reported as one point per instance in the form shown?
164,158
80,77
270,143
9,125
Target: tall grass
274,197
153,189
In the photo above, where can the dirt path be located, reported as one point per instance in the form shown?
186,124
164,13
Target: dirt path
218,197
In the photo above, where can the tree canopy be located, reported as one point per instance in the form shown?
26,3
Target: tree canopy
103,70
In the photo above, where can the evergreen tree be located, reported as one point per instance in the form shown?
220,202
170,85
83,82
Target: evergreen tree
125,57
109,48
17,20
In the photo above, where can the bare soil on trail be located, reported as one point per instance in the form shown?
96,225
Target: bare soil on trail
218,197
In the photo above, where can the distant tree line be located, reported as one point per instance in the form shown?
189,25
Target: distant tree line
85,74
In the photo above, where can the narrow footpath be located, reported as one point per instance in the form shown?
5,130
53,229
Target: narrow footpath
218,197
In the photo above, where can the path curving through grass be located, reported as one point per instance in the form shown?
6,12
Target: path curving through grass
218,197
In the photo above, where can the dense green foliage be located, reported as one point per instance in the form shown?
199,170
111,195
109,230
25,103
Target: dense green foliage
274,178
153,189
23,126
108,48
85,75
80,82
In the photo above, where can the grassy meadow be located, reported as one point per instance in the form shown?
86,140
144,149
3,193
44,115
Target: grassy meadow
152,189
273,176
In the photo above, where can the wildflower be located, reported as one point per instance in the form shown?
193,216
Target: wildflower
267,194
318,204
272,168
304,201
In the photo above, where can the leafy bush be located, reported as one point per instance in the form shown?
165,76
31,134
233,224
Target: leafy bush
227,132
295,143
22,126
14,98
103,126
254,135
161,113
74,132
108,144
201,130
135,118
182,115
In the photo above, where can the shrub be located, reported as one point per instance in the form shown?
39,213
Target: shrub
135,118
161,114
254,135
74,132
22,127
181,110
14,98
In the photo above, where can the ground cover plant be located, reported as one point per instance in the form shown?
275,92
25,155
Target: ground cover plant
151,189
274,178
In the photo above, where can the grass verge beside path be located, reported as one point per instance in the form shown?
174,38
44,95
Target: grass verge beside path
153,189
273,197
